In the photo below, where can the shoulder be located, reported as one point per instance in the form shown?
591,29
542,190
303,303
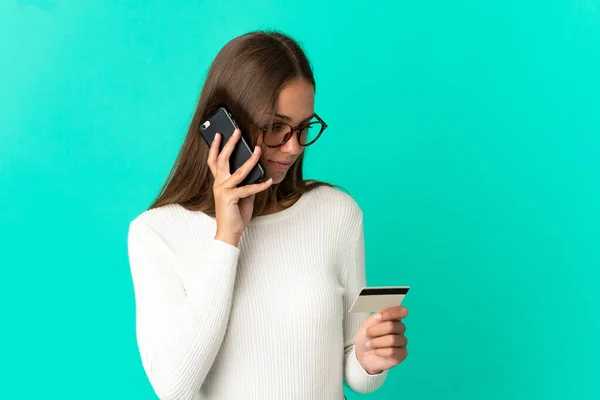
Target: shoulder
334,203
156,217
170,222
336,198
337,216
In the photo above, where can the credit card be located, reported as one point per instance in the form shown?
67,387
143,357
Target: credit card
377,299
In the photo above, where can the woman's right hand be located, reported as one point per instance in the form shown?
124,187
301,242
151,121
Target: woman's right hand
233,205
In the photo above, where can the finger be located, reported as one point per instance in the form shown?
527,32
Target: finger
223,159
394,313
397,353
387,341
249,190
386,328
213,153
372,320
244,170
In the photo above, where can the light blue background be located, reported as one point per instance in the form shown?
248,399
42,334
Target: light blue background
467,131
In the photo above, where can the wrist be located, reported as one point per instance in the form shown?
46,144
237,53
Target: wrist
373,372
369,371
231,239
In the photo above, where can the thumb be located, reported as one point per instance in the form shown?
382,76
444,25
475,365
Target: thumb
250,201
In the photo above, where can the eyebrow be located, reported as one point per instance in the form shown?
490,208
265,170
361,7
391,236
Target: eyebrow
286,118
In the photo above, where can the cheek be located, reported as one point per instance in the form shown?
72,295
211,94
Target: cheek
265,153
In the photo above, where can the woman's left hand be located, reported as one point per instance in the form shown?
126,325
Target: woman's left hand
380,343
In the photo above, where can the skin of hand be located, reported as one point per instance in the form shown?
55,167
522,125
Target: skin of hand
380,343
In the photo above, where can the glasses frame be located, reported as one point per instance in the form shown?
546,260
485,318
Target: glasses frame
297,130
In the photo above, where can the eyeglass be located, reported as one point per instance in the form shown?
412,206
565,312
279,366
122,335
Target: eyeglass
279,133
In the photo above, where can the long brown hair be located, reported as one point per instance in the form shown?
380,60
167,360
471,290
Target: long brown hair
246,76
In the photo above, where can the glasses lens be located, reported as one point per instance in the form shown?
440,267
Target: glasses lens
280,132
310,132
277,133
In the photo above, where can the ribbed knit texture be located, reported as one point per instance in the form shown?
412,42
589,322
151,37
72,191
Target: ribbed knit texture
266,320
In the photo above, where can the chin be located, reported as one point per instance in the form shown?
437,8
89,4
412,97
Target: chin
277,177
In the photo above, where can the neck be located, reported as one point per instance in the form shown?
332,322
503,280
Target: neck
272,208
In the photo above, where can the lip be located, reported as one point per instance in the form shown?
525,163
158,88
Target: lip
280,165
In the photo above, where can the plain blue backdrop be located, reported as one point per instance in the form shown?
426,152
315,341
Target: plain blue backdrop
468,131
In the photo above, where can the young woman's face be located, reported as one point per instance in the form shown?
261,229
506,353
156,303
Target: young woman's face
295,105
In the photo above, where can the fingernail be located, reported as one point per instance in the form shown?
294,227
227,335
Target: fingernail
364,331
378,317
368,344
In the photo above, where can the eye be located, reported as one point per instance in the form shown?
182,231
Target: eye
277,128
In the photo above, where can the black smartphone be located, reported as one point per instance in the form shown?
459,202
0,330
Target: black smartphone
222,122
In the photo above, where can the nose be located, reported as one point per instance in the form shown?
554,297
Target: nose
292,146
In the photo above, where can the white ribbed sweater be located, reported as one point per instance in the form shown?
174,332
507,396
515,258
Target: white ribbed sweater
266,320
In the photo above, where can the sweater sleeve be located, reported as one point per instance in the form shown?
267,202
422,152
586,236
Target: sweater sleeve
355,279
179,328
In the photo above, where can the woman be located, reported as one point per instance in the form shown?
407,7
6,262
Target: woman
244,292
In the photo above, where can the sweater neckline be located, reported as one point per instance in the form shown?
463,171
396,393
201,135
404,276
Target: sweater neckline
269,218
285,213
